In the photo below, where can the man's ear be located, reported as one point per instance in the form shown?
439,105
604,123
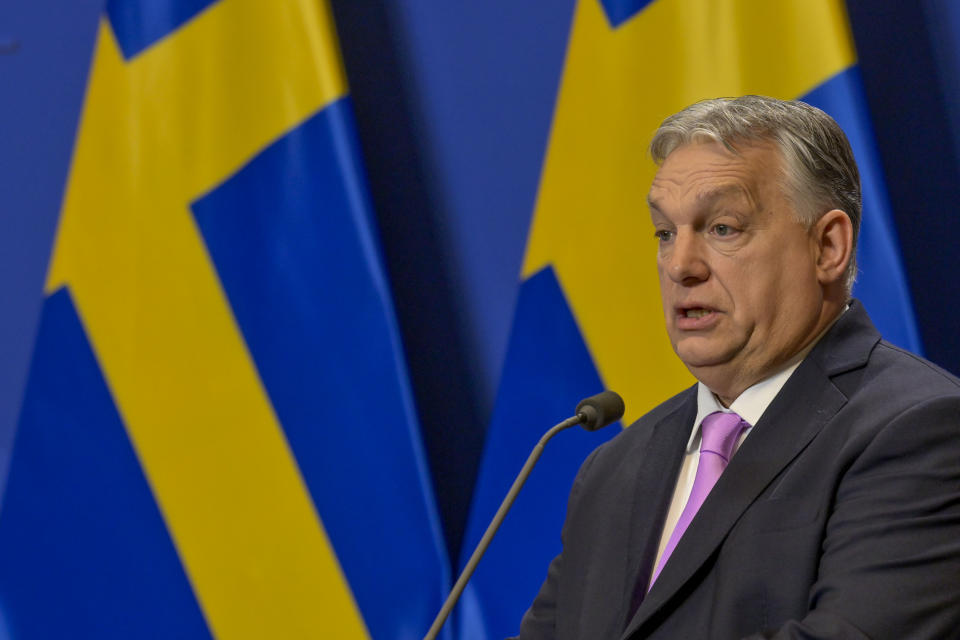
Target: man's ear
833,235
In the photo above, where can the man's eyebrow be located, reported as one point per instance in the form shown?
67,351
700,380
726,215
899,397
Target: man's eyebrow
709,195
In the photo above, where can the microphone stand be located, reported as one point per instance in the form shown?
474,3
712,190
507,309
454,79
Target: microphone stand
495,524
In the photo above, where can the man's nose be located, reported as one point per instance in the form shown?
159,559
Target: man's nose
685,263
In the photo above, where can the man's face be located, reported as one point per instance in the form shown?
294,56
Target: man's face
737,271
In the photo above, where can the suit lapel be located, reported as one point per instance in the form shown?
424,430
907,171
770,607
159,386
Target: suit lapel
801,409
652,489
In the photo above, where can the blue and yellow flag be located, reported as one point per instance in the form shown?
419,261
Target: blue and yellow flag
588,314
217,436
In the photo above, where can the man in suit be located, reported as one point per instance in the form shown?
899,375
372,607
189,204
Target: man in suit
809,485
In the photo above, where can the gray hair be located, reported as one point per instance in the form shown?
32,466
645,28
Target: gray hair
819,168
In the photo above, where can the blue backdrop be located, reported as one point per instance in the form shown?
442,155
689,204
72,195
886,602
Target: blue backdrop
453,104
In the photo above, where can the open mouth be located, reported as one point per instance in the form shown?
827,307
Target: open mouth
695,318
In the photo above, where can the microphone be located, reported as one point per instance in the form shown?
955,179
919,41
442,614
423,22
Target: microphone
592,413
598,411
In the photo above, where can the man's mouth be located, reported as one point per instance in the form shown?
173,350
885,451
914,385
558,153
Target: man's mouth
695,318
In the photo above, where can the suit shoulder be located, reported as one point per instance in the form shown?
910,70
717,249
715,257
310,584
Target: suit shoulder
911,373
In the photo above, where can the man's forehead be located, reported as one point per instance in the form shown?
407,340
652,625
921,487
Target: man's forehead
706,172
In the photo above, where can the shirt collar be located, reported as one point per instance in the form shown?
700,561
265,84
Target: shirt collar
750,404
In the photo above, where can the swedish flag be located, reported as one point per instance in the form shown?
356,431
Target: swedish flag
588,314
217,436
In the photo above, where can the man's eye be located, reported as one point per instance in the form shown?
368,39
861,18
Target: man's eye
723,230
663,235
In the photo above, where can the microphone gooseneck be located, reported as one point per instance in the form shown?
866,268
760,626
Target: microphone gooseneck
592,413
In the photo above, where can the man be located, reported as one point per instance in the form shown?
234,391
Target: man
809,485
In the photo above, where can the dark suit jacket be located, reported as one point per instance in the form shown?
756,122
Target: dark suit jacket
839,517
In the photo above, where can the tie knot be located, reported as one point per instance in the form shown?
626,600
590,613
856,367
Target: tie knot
719,433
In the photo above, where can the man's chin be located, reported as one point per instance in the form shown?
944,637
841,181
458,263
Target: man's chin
700,357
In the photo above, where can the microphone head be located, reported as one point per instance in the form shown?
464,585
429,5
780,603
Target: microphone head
600,410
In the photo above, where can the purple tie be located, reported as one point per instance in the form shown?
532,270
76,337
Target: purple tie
719,433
